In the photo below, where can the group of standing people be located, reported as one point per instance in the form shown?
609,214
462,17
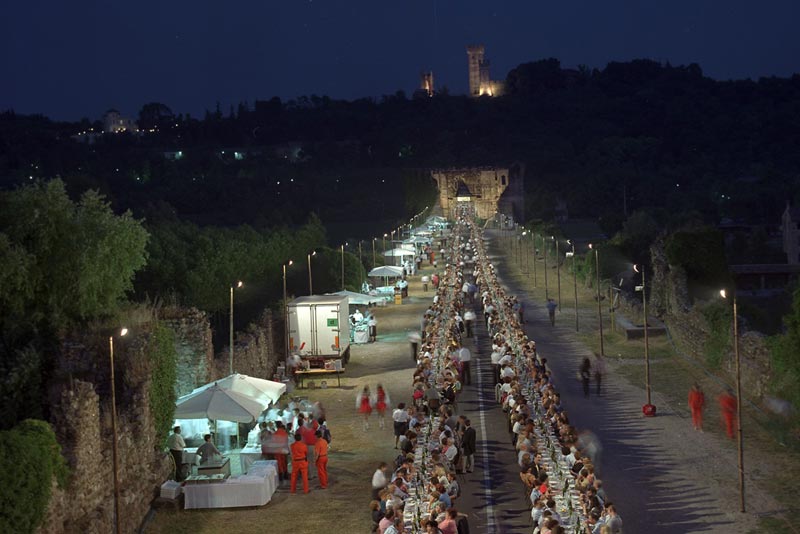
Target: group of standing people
728,406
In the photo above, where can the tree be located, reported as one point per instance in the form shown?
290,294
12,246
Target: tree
155,115
64,262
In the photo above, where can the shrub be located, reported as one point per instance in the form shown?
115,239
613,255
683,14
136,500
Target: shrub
30,457
719,317
162,356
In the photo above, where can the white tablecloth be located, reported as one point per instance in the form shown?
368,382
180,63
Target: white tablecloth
254,489
361,336
250,454
190,455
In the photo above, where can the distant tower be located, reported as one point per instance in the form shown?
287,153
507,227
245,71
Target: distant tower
426,83
475,58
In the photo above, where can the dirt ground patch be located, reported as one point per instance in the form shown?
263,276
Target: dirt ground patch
354,453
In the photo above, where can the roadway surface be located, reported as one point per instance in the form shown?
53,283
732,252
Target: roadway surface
664,477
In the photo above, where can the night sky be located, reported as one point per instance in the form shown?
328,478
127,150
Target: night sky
70,60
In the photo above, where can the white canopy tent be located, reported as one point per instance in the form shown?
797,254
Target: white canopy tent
387,271
264,391
217,403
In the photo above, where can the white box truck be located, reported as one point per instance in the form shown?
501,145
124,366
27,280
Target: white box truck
319,328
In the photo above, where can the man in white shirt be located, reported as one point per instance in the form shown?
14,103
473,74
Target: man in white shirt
379,479
176,445
464,357
469,321
400,417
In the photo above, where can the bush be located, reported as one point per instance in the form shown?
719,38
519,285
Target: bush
701,252
30,457
785,349
162,358
719,317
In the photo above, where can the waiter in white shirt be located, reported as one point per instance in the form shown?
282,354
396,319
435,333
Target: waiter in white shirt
464,357
176,445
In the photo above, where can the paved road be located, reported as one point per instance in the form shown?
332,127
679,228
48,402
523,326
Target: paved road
493,494
664,477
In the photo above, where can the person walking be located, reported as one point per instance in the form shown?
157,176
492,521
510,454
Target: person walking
727,405
468,444
586,375
599,370
364,405
414,338
321,459
697,401
469,320
400,418
464,356
299,463
372,324
381,403
551,311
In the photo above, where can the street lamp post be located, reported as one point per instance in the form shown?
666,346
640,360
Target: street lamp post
373,252
360,258
114,453
310,279
599,304
345,244
643,289
558,273
574,280
230,339
524,233
738,399
546,288
384,242
533,241
285,311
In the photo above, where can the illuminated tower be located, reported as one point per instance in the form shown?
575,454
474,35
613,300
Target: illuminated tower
475,58
426,83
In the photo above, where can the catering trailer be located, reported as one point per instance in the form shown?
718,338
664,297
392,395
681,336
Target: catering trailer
319,328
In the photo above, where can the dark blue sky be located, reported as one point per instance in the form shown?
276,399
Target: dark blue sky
74,59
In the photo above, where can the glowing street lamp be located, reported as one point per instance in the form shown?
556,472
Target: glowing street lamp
599,304
524,233
739,439
384,242
574,278
310,279
558,272
236,285
546,288
114,452
344,245
373,253
643,289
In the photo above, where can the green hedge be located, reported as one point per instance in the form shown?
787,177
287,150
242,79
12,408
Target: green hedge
719,317
162,356
30,457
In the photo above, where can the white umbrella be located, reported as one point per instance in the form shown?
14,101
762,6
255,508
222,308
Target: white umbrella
387,270
264,391
218,403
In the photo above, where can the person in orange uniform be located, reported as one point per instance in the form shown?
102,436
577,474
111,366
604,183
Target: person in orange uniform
696,402
299,463
727,404
321,459
281,438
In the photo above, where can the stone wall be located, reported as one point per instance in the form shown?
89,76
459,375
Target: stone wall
256,352
82,421
669,301
193,344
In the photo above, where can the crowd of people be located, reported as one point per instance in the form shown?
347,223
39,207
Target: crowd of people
558,464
